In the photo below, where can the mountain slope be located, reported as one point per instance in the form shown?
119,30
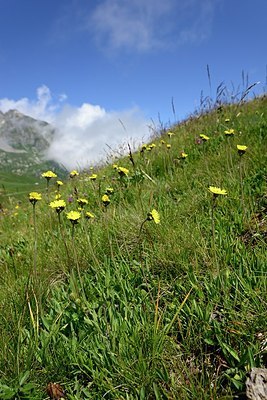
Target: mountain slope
24,142
102,298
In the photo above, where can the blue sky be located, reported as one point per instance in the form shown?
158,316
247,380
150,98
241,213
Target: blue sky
85,65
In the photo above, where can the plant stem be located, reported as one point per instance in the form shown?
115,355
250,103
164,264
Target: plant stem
213,232
241,184
35,243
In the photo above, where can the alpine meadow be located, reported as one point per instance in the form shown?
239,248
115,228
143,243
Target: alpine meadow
145,277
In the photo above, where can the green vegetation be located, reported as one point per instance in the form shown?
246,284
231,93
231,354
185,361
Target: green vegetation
111,304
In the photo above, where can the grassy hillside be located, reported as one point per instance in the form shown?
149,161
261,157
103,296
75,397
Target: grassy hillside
110,303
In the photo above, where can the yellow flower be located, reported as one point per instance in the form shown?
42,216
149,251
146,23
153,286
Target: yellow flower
229,132
227,120
57,196
170,134
74,173
34,197
58,205
49,174
162,141
74,216
93,177
217,191
105,200
82,202
183,155
153,216
241,149
109,190
89,215
168,145
143,148
204,137
123,171
115,166
59,183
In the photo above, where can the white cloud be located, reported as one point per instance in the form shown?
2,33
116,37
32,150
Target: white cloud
40,108
82,133
130,24
152,24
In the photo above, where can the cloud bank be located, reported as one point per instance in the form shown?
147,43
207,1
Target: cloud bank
84,134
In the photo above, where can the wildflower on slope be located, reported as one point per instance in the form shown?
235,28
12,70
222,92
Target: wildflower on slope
241,149
74,216
59,183
204,137
168,145
229,132
48,175
115,166
74,173
82,202
105,200
143,148
216,191
183,155
227,120
89,215
170,134
34,197
153,216
109,191
123,171
58,205
93,177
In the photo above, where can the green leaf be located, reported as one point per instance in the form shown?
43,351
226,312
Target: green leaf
7,393
230,351
156,391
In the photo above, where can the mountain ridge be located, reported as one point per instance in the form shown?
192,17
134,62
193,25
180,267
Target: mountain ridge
24,144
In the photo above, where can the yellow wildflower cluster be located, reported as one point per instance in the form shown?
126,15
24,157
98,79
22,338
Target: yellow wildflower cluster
34,197
74,173
93,177
58,205
204,137
105,200
73,216
153,216
123,171
216,191
241,149
82,202
89,215
49,174
229,132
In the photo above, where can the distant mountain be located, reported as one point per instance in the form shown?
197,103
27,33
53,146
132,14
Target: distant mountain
24,143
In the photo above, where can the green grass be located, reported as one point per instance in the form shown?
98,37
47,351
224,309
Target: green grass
11,184
118,307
